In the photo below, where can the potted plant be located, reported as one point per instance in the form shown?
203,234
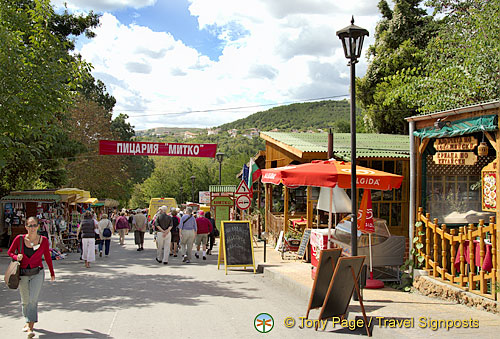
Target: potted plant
292,238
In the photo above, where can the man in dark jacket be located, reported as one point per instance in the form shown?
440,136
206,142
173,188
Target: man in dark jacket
164,236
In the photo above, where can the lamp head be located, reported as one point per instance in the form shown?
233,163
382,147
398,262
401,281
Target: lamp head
352,38
219,156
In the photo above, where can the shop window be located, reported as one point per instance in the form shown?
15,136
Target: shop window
377,164
298,197
395,215
388,205
453,193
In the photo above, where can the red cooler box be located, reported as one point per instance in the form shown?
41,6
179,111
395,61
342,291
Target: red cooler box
319,241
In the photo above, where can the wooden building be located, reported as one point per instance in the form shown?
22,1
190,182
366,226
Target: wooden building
454,186
390,153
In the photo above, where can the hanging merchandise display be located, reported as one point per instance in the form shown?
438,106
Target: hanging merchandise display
489,187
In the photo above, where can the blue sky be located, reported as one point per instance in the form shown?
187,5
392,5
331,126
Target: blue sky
202,63
173,16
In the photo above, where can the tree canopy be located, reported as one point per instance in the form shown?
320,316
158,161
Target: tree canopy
401,37
461,65
38,78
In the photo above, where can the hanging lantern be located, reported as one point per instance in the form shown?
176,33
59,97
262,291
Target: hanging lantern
482,149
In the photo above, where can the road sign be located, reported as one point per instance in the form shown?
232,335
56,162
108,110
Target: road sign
243,202
242,188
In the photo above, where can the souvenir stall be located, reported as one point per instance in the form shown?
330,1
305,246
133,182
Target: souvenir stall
455,184
18,206
75,202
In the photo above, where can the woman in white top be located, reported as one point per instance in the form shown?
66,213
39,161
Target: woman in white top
105,232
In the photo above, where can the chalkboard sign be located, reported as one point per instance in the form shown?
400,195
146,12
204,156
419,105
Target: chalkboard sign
342,285
326,266
236,248
303,243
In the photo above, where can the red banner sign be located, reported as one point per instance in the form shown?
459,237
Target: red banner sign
112,147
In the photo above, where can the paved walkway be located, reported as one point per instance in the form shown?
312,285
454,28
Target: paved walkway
388,303
129,295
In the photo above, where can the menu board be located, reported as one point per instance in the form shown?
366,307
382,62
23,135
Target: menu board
236,248
303,243
489,187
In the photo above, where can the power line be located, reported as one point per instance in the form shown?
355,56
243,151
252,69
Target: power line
228,108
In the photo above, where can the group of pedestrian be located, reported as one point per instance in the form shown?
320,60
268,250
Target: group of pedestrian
174,234
184,232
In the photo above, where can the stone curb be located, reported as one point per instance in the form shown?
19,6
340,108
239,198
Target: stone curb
278,277
436,289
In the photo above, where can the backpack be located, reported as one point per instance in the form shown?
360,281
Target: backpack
12,274
106,232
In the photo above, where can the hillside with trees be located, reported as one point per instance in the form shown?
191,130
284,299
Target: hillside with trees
301,116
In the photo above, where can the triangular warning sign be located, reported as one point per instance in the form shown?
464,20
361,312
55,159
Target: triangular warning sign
242,188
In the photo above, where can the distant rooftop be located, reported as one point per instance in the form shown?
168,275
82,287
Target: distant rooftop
368,145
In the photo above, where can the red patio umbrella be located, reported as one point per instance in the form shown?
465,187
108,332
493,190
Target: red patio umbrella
330,173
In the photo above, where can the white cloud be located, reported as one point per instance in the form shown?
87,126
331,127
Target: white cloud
274,51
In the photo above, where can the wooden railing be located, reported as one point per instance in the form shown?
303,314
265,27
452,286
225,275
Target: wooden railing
275,223
440,248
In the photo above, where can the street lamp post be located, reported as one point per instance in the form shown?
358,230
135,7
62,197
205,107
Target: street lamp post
352,41
181,193
220,157
192,188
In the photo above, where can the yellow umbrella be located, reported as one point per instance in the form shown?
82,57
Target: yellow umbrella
86,200
69,191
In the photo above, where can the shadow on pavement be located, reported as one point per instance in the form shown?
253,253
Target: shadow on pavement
91,334
125,279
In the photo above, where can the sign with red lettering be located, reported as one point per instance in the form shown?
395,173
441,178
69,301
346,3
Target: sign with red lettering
112,147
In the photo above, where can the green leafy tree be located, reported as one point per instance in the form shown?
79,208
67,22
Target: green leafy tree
139,168
462,64
38,78
101,175
401,37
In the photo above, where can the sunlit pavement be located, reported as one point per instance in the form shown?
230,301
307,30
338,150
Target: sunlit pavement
130,295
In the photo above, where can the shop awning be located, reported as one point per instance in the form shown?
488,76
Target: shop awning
86,200
32,197
69,191
485,123
98,204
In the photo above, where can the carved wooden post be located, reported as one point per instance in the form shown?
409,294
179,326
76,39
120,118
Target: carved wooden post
435,254
462,255
427,242
453,255
493,253
482,282
472,262
443,253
